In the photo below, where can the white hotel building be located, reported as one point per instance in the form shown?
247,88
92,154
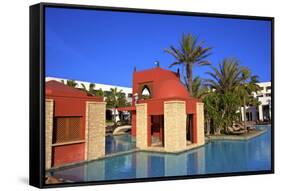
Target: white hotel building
263,112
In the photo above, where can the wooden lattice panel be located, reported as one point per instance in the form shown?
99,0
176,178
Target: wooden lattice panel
67,129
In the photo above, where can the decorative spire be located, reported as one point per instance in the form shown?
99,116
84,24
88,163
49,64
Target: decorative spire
157,63
135,68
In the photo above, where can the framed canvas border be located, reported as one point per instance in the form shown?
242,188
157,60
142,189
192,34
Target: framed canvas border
37,93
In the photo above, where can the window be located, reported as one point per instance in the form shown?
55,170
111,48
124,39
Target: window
260,95
67,129
145,93
268,95
268,88
130,95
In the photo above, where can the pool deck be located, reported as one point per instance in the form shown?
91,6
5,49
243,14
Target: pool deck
246,136
162,149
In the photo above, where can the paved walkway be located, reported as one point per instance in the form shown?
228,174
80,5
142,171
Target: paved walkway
245,136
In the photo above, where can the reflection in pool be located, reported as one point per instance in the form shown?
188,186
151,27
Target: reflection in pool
215,157
119,143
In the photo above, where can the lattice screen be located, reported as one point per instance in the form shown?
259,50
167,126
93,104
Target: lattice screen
67,129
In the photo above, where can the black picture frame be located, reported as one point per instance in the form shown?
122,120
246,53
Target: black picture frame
37,93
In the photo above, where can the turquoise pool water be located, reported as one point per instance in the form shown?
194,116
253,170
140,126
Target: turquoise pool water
119,143
214,157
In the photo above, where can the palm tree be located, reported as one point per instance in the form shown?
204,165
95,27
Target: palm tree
213,112
227,77
91,90
84,87
99,92
71,83
189,54
245,91
208,108
198,88
235,84
115,99
221,109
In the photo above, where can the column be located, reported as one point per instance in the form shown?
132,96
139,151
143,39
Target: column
141,126
242,113
260,113
95,130
174,126
200,123
49,115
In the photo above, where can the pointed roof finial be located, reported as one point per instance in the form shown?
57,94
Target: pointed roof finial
157,63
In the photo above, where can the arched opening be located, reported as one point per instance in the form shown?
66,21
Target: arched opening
157,131
145,93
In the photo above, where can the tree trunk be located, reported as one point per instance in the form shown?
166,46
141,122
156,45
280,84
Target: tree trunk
218,131
189,74
226,130
208,127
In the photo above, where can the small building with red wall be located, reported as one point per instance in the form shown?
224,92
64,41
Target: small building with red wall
164,116
74,125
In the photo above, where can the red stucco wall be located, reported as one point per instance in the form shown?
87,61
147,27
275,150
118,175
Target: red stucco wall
68,154
69,102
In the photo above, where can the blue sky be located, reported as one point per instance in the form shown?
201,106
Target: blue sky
104,47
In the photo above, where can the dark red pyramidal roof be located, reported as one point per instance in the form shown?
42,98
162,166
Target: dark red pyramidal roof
55,88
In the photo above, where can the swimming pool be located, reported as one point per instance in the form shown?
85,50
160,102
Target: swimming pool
214,157
119,143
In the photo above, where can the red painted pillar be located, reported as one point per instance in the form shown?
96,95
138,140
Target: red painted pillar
134,130
149,130
194,128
